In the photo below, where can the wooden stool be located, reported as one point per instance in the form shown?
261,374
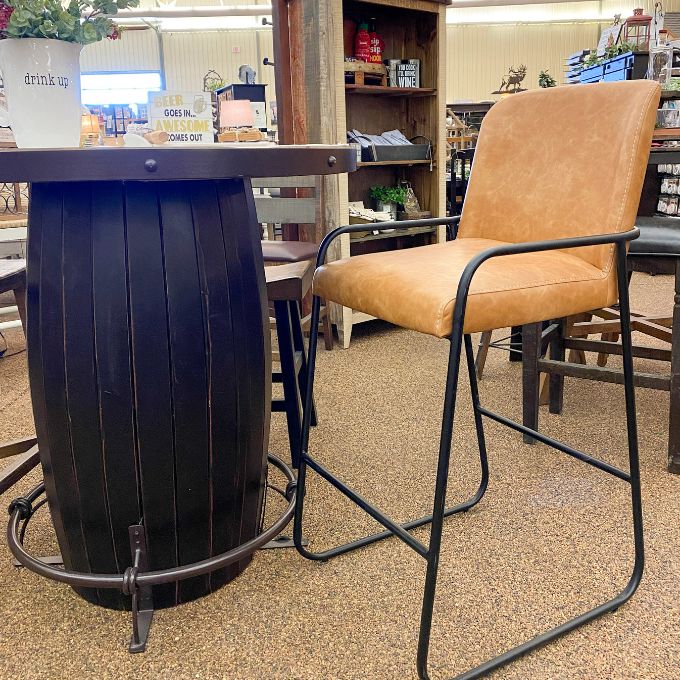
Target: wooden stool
13,277
299,251
286,284
657,249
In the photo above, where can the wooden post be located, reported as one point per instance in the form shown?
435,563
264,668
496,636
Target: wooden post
17,197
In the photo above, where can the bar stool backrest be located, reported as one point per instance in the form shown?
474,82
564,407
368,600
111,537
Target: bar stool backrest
562,162
302,209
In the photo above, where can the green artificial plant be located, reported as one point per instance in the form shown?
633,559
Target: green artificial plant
388,194
80,21
546,80
610,52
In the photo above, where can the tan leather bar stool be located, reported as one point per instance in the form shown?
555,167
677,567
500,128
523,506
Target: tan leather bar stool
549,211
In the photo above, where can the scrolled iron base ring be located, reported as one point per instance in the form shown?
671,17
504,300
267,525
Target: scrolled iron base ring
134,580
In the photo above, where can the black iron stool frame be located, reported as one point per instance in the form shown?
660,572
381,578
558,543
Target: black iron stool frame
431,553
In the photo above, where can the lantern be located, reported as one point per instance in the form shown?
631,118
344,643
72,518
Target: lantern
637,29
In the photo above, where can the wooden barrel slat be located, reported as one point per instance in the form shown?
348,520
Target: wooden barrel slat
51,209
188,382
81,382
113,360
242,247
217,323
52,365
151,366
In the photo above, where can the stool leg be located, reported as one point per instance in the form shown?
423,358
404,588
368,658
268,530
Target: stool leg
20,297
631,424
291,392
531,347
516,343
556,382
299,345
674,415
439,501
482,353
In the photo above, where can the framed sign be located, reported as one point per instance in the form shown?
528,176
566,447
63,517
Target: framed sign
186,116
609,36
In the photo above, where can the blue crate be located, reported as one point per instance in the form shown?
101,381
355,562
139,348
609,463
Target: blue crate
592,74
626,66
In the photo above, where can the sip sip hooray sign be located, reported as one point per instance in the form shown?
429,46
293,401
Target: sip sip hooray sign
186,116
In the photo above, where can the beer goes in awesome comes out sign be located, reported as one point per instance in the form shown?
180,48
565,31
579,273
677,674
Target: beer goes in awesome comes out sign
186,116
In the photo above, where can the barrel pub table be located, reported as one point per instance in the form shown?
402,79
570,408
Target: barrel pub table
150,363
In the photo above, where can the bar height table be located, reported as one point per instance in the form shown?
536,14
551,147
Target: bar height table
149,352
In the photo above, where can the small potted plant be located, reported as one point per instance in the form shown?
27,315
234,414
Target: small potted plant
387,199
40,44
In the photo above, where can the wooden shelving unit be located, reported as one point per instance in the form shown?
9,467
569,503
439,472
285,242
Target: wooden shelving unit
390,91
374,164
410,29
666,133
392,234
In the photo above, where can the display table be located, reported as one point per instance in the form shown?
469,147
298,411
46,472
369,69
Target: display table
149,351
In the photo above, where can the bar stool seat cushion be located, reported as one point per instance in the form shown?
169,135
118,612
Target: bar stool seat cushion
416,287
659,237
12,274
288,251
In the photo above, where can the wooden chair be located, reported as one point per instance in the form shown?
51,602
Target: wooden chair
279,206
658,248
286,284
13,277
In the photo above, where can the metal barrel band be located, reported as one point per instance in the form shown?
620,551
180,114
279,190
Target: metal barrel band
133,579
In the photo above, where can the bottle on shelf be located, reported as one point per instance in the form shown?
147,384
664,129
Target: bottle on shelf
362,43
377,45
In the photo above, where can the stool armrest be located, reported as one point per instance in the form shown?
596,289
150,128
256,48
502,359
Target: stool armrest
401,224
620,239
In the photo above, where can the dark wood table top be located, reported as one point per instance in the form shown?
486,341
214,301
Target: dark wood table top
218,161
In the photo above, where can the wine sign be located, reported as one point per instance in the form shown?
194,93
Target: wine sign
403,72
186,116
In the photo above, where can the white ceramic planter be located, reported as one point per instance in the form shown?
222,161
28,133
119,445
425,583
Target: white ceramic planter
42,85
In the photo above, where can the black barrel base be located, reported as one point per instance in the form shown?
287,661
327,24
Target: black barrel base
150,372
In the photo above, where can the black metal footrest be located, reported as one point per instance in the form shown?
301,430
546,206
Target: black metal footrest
136,581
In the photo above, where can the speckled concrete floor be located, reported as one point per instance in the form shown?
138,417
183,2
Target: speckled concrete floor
550,539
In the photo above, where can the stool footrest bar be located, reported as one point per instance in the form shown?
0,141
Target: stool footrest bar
559,446
394,528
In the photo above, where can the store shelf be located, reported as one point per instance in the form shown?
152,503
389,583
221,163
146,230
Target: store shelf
390,91
670,94
414,231
370,164
666,133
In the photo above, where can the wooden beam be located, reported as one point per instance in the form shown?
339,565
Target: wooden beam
609,375
16,446
11,474
615,348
